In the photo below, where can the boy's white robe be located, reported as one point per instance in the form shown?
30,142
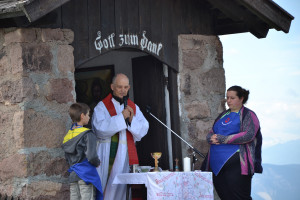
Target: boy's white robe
105,126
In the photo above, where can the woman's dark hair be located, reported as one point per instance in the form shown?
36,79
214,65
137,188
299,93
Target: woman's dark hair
240,92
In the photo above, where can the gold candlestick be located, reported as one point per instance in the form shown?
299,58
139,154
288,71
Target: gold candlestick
156,156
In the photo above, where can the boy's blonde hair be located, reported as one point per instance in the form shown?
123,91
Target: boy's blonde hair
76,109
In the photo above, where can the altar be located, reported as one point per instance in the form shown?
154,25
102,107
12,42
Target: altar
172,185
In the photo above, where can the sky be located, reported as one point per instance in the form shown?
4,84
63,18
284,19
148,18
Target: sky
270,69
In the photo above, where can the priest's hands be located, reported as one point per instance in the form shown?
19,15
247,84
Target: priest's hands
128,113
131,113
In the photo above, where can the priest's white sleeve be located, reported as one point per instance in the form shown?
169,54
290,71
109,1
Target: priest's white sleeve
104,125
139,125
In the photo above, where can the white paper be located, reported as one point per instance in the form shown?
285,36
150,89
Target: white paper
172,185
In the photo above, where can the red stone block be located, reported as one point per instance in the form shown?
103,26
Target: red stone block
52,35
68,35
37,57
4,65
43,163
198,110
17,91
212,82
21,35
7,142
65,59
61,90
15,57
43,130
194,59
17,129
14,166
42,190
11,91
6,188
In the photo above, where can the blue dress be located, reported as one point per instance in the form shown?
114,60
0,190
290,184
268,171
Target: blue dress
219,154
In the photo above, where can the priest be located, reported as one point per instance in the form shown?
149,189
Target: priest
118,123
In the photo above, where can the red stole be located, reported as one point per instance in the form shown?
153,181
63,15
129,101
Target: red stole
132,153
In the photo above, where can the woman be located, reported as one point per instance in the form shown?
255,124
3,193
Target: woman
235,150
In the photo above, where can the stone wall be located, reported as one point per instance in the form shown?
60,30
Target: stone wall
201,81
36,89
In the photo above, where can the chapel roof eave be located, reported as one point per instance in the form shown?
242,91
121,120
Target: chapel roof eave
230,16
32,9
254,16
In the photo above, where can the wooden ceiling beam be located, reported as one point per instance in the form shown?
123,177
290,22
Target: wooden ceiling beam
269,12
239,27
228,7
230,28
39,8
239,14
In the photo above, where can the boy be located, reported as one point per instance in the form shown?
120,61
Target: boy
80,151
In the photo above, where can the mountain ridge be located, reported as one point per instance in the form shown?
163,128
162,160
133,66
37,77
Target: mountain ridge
277,182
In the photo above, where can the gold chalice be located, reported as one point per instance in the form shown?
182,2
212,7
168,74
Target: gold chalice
156,156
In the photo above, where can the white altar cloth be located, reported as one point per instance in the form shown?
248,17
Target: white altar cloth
172,185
